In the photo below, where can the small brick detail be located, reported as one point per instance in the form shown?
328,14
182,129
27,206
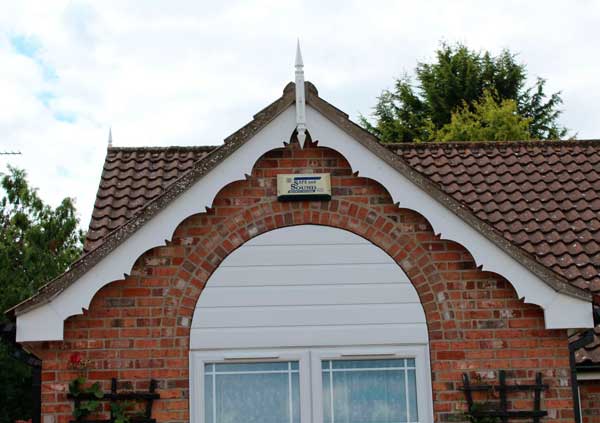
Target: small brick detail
589,396
138,328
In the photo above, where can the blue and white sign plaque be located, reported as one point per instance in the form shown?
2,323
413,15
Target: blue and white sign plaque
305,186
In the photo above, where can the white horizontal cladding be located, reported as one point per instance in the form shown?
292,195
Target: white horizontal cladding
154,233
306,237
295,295
312,315
330,301
322,275
560,311
302,336
312,254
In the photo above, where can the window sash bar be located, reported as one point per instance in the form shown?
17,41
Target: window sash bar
283,372
331,390
368,369
406,395
214,393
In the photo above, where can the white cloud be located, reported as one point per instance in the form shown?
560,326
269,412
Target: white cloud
192,72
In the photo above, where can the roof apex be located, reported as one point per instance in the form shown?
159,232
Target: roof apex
235,141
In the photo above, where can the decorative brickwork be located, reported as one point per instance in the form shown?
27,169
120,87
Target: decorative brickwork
137,329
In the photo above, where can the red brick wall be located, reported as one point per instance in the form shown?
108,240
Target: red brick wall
138,328
589,395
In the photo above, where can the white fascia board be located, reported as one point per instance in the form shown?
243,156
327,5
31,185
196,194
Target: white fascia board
588,375
119,262
42,323
561,311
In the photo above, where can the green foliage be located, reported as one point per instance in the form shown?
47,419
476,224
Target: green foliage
15,390
488,121
481,407
458,79
118,411
37,243
543,113
85,408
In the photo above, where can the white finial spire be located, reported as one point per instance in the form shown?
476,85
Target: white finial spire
300,98
109,137
299,61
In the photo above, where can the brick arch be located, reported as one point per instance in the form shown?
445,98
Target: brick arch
138,328
405,245
401,245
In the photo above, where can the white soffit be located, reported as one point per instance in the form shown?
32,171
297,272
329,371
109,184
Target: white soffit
46,321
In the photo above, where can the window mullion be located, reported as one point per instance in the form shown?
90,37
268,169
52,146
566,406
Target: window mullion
290,397
407,394
214,392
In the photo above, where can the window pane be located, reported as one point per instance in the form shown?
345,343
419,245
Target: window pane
208,398
327,403
369,391
295,417
412,396
252,392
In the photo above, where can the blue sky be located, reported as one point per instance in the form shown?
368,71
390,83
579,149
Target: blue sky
31,47
194,72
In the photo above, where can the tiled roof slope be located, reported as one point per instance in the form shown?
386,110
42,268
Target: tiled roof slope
542,196
589,354
131,177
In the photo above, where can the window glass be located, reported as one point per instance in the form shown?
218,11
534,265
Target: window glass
266,392
369,391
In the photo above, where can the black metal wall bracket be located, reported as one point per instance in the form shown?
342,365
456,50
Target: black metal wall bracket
502,412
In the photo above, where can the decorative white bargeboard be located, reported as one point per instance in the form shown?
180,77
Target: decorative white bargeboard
46,321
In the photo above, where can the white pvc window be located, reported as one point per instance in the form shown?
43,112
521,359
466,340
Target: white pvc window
266,392
369,391
364,385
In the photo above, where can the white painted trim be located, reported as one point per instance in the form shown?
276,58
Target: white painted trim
311,389
45,325
198,359
561,311
300,104
423,372
588,375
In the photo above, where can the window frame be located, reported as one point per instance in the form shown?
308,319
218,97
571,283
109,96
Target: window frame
199,358
419,353
310,373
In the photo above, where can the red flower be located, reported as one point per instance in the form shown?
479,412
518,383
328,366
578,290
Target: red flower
75,359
